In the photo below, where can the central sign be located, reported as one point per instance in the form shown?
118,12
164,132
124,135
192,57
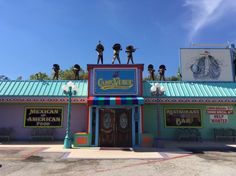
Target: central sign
115,82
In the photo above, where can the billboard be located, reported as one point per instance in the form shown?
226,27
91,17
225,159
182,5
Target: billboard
183,118
206,64
118,81
43,117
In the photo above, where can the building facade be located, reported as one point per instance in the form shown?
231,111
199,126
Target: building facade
115,108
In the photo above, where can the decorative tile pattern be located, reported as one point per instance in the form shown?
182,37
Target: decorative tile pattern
41,100
189,100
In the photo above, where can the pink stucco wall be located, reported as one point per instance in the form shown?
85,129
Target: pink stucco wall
12,115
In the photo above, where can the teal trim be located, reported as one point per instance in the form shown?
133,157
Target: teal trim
90,124
133,127
40,88
139,124
97,127
112,101
100,100
184,89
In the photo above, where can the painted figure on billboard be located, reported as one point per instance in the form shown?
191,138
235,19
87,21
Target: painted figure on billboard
100,49
116,48
206,67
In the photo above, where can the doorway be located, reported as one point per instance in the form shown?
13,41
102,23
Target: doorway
115,127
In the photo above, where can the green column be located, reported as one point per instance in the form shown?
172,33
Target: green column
67,140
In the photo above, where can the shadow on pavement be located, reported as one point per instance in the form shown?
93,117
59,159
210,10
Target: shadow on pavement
202,150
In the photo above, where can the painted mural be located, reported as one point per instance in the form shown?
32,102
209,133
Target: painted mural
206,64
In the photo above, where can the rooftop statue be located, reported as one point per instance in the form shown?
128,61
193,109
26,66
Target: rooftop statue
151,72
56,69
76,70
129,50
162,69
116,48
100,49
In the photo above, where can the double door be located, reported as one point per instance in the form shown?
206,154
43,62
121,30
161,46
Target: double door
115,127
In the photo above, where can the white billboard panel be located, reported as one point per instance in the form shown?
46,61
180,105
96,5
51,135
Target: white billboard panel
206,64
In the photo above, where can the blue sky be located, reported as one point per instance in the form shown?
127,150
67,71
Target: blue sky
35,34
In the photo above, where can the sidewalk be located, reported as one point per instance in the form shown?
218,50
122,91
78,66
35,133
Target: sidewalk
164,150
77,153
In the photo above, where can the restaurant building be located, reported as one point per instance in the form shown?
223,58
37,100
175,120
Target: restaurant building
115,107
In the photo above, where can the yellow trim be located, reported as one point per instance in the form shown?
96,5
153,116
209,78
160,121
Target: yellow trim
184,126
44,107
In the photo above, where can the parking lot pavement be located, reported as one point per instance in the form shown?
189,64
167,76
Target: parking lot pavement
169,149
18,152
169,160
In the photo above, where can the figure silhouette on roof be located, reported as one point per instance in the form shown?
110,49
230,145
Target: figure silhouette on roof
151,72
100,49
56,69
76,70
116,48
129,50
162,69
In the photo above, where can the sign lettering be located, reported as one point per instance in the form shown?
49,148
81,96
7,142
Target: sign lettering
183,118
220,110
219,118
37,117
117,81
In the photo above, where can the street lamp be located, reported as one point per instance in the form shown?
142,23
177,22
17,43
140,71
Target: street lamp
157,90
69,89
